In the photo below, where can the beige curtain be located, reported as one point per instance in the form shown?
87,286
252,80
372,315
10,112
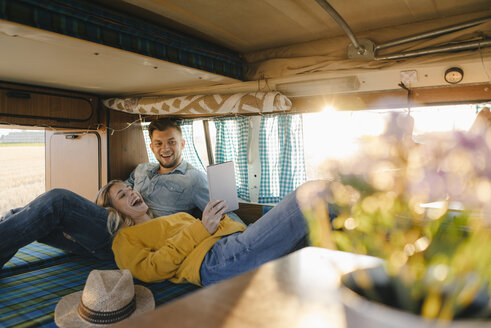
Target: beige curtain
239,103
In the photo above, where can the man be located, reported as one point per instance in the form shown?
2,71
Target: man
172,185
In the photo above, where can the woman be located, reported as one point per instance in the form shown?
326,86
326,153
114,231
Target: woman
68,221
181,248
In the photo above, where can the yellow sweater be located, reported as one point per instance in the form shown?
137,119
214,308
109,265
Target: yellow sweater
169,247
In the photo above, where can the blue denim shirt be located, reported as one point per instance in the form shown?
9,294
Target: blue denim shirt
180,190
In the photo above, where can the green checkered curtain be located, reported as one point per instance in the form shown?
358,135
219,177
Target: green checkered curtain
151,156
481,106
282,157
232,135
189,152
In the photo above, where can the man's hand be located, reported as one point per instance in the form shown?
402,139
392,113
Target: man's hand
213,214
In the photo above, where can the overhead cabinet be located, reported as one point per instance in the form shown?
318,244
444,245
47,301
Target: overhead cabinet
47,107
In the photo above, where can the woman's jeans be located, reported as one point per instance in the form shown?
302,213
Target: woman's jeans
275,234
47,217
279,232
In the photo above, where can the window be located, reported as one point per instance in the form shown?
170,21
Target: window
22,167
200,140
332,135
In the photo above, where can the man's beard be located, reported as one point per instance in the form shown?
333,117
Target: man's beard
175,162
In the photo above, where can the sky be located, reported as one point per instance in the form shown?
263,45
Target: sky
7,131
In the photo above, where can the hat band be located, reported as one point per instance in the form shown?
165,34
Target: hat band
98,317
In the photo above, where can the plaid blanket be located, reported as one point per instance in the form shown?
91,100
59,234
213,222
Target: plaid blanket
32,257
28,296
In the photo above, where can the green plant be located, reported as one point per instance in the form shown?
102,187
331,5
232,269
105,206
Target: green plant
438,261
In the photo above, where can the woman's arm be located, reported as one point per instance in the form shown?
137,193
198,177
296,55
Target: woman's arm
141,249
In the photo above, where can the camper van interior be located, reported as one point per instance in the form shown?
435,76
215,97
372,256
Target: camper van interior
277,86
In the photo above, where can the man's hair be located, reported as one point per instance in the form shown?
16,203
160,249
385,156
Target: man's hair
163,124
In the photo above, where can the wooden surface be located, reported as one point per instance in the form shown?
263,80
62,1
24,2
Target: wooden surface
126,144
299,290
249,213
28,105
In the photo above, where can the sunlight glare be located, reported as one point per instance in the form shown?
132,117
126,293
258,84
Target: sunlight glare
337,135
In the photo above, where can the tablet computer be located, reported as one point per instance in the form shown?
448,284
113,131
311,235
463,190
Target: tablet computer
221,184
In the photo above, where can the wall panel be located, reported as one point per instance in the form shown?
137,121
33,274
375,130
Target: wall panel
34,106
126,144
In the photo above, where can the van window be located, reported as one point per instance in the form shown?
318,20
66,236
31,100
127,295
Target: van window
199,140
334,135
22,167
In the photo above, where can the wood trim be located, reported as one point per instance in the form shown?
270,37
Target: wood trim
453,94
447,95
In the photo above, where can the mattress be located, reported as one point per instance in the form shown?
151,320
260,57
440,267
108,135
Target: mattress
32,283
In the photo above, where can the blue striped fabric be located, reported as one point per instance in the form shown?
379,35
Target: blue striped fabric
32,257
232,135
28,299
91,22
282,156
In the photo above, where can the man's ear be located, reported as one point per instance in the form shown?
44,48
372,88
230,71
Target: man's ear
183,142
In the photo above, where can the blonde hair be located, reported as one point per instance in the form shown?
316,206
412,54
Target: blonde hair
115,219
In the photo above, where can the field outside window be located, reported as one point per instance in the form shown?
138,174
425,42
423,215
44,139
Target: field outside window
22,167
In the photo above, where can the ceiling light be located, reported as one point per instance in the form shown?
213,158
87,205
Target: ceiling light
319,87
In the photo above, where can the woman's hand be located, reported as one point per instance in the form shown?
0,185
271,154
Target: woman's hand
213,214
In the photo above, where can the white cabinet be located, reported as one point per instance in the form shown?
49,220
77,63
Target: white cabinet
76,160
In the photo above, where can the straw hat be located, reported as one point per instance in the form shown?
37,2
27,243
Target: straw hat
109,296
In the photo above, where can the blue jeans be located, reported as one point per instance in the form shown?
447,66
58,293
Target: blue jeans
275,234
47,217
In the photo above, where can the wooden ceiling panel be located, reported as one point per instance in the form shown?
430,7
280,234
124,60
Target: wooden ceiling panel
245,25
252,25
